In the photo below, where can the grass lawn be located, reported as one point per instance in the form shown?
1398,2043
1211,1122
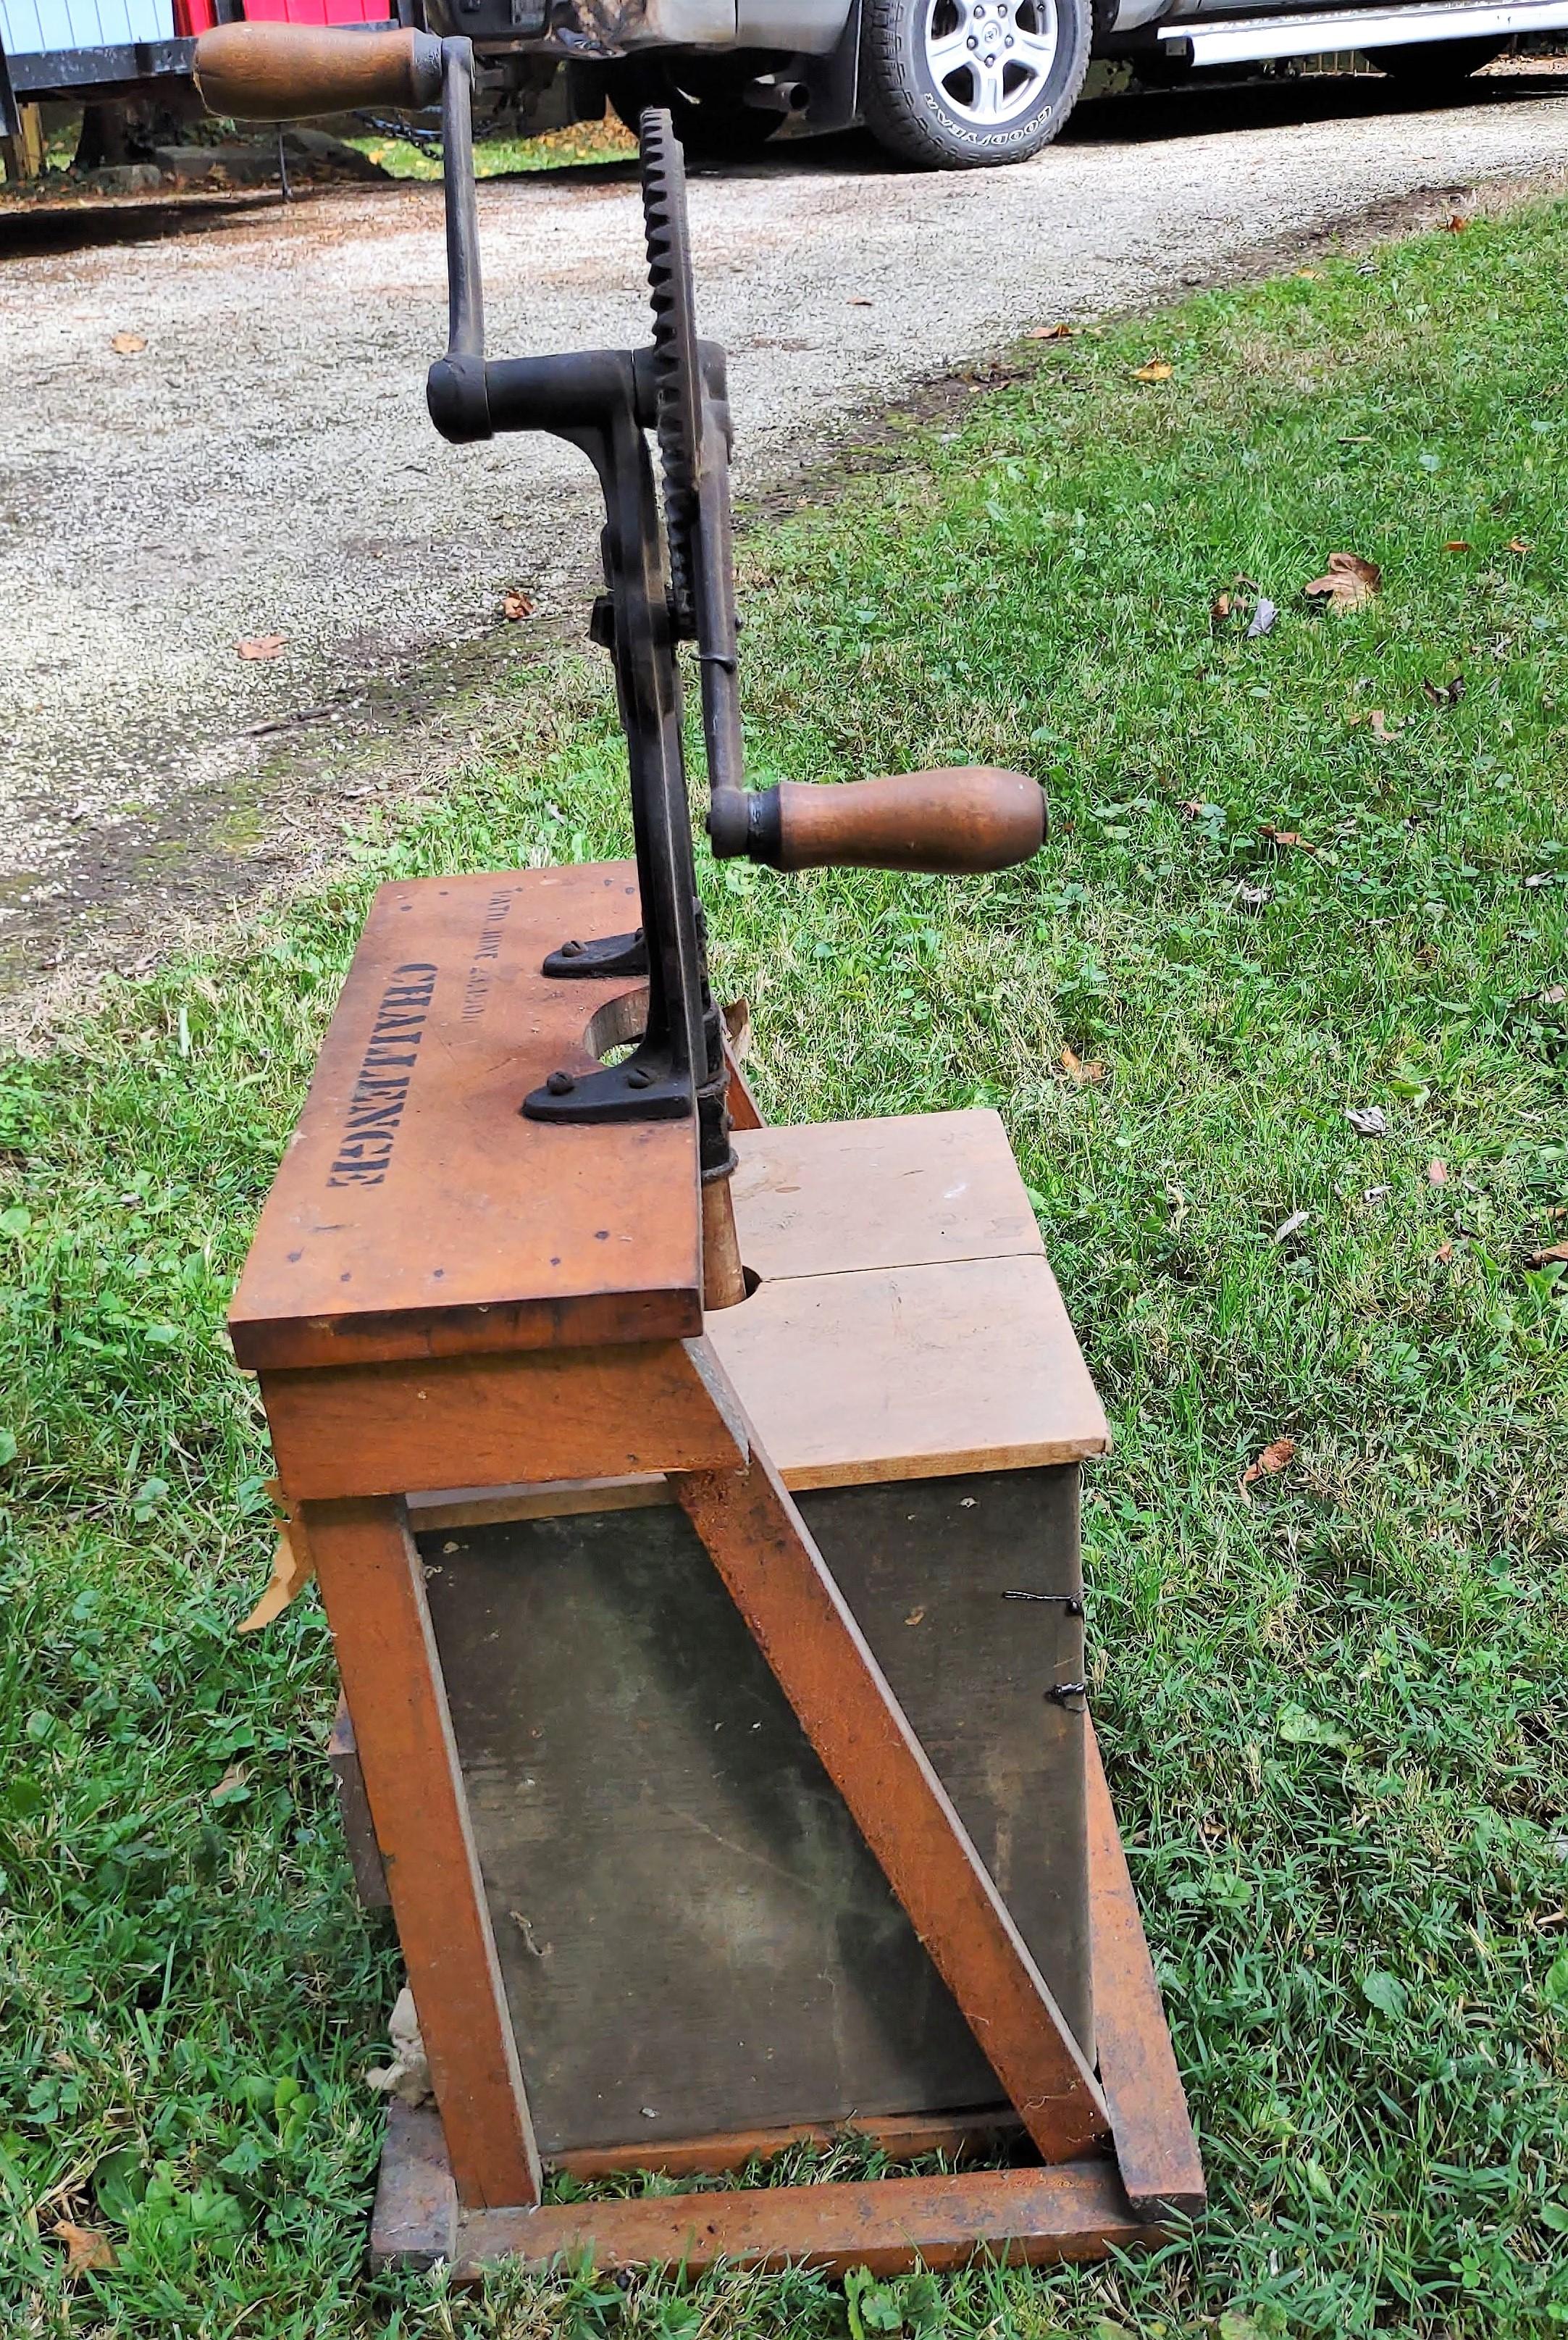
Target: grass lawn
606,141
1283,883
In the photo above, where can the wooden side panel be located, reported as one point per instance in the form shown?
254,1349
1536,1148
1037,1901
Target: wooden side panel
799,1620
1155,2145
927,1569
1019,2216
383,1430
373,1586
692,1932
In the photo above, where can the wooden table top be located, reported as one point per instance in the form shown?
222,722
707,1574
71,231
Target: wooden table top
416,1213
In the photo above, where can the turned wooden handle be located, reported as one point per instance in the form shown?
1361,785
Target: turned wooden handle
974,818
279,73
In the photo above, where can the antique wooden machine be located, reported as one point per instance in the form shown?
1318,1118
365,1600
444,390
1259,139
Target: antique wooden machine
695,1504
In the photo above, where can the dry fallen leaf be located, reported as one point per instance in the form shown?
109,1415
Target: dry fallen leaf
407,2075
1349,581
1519,544
1192,806
1155,371
1552,1250
236,1776
86,2250
1381,726
1445,694
1085,1075
293,1566
1272,836
1438,1174
1275,1458
738,1034
128,345
1553,996
1443,1254
261,646
515,605
1291,1226
1456,544
1050,333
1457,224
1218,611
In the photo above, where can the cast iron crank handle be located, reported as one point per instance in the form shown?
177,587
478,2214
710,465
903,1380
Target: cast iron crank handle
974,818
279,73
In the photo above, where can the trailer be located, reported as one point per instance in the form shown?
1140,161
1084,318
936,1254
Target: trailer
91,52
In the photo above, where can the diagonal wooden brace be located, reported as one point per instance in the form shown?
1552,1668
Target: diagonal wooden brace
780,1583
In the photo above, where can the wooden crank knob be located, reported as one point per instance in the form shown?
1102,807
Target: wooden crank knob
973,818
281,72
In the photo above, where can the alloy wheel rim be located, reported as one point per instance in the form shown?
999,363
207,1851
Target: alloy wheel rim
989,59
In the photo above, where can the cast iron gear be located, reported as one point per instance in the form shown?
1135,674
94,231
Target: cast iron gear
676,362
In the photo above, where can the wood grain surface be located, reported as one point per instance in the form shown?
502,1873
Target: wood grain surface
284,73
416,1213
906,1190
970,818
909,1372
541,1414
829,1214
989,2131
1150,2124
1021,2216
373,1586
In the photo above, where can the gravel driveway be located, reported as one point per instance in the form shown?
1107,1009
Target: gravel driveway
264,465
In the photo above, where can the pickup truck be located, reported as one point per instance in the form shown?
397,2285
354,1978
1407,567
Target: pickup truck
951,83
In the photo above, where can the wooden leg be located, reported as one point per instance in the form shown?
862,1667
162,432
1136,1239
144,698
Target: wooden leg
1155,2146
778,1580
374,1588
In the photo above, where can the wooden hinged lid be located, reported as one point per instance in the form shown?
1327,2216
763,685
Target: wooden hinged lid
416,1213
905,1325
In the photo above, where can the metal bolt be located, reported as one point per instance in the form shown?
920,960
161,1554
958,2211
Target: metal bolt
560,1085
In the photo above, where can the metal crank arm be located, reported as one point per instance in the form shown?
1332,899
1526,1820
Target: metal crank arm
608,403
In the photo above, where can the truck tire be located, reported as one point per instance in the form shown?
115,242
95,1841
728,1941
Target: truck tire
704,98
954,85
1435,65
